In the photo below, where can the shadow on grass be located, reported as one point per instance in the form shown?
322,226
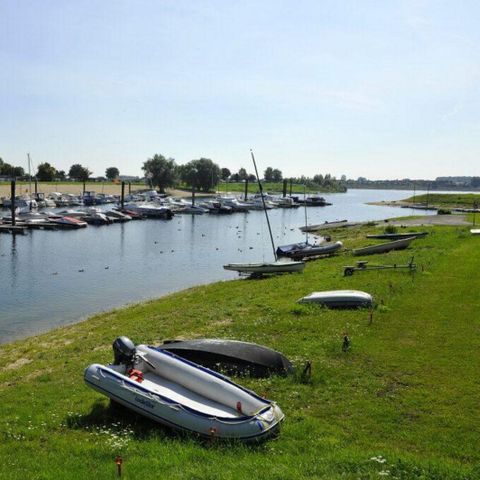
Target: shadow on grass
112,414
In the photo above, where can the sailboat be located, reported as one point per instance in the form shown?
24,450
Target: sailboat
298,251
283,265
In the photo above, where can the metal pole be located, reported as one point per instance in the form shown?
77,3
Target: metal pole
305,208
29,174
264,206
12,203
122,201
291,181
129,188
284,188
246,189
36,186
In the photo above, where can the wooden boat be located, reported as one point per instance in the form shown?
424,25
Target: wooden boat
339,299
183,395
384,247
297,251
398,236
266,268
231,356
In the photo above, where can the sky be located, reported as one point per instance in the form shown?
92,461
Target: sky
379,89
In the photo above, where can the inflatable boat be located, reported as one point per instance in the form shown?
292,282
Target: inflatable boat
183,395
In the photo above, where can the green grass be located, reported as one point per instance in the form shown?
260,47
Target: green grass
404,399
447,200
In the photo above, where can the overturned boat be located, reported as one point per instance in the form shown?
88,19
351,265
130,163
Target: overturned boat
266,268
340,299
384,247
183,395
231,357
297,251
398,236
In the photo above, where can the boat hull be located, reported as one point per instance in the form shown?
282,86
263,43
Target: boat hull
305,250
339,299
384,247
266,268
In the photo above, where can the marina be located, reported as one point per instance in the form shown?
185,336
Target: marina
55,278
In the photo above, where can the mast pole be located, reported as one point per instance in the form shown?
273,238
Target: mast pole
305,208
264,206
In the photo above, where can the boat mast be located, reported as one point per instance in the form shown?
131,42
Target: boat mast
30,175
264,206
305,208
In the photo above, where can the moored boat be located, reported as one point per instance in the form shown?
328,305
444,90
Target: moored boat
183,395
305,250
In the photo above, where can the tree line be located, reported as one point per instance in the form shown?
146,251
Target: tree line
161,172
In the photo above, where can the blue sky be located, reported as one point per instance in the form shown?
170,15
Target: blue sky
381,89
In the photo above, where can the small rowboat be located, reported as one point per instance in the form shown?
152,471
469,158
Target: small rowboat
266,268
183,395
384,247
340,299
398,236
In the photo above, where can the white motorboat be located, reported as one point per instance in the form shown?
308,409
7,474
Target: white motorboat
150,210
235,204
339,299
183,395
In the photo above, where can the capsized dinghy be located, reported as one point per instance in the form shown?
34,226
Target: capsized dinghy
231,356
340,299
266,268
384,247
398,236
183,395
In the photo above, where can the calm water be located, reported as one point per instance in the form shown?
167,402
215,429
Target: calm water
50,279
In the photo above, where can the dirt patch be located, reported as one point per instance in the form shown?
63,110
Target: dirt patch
451,220
18,364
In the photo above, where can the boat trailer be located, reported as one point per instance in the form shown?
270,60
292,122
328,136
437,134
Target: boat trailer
362,265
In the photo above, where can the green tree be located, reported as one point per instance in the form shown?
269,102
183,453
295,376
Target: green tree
203,174
78,172
277,175
61,175
160,171
225,173
112,173
46,173
268,174
242,174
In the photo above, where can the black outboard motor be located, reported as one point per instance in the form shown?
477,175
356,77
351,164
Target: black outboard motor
123,351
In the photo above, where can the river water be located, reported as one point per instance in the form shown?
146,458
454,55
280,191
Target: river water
54,278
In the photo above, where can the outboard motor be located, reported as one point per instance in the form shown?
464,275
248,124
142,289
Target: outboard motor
123,351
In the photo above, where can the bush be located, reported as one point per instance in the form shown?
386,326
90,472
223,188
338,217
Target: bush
443,211
390,229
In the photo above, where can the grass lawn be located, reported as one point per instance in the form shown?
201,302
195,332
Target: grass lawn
402,403
447,200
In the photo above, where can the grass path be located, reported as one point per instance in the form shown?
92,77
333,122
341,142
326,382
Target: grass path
402,403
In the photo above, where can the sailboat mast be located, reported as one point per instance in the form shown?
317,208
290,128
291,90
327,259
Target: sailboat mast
29,174
264,206
305,208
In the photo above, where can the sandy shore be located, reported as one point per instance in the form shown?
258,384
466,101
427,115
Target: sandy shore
77,189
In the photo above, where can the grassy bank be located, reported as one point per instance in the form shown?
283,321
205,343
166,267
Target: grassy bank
402,403
447,200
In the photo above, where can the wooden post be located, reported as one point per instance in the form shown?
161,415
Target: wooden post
129,188
291,181
84,187
246,189
284,188
36,186
193,194
122,201
12,203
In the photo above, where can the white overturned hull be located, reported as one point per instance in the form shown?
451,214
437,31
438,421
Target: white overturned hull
339,299
266,268
475,231
185,396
